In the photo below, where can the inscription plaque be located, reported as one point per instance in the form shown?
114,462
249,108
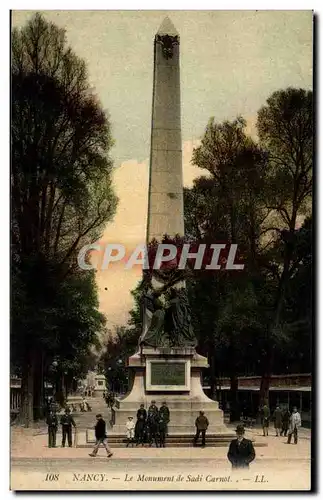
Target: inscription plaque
167,373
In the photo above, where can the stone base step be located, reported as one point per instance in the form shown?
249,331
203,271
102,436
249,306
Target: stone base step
175,440
170,443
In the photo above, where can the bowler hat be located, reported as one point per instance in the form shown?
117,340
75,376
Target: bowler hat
240,429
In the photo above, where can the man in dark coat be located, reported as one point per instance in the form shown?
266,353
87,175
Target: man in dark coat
265,416
241,451
140,425
152,424
52,423
201,424
67,421
153,408
277,418
101,437
162,431
285,422
164,414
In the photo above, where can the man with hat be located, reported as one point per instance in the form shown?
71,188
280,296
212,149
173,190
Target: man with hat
52,423
241,451
295,423
140,425
153,408
164,415
67,421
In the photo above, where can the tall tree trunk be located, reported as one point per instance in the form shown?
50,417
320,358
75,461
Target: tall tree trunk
27,391
285,276
59,389
38,397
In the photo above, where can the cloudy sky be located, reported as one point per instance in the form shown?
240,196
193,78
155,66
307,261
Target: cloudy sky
231,61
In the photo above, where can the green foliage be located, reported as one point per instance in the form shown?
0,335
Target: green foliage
61,172
66,320
285,128
62,199
250,193
121,344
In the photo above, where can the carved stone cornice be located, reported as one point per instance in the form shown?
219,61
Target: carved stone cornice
167,43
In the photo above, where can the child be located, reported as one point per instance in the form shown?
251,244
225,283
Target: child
130,426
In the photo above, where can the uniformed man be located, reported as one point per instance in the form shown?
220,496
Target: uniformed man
241,451
67,421
52,423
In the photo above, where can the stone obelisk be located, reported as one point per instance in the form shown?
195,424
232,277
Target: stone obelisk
165,198
164,374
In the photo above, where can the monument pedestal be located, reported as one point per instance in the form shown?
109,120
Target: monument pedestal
174,376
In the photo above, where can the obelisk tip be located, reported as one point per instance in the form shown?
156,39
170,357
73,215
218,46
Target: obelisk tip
167,28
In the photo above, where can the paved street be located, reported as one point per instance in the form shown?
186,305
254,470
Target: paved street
277,466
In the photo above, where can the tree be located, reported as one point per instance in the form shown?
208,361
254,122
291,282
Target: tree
61,188
297,310
285,128
228,206
121,344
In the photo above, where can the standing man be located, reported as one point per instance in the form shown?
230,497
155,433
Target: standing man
241,451
140,425
294,424
153,408
162,431
285,422
67,421
265,419
164,415
277,417
52,423
152,425
101,437
201,424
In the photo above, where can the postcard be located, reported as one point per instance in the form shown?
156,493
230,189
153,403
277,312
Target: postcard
161,250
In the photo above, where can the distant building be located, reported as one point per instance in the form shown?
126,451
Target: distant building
15,392
286,390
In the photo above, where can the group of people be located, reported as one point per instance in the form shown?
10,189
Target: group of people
109,398
285,423
88,391
67,423
150,427
241,451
